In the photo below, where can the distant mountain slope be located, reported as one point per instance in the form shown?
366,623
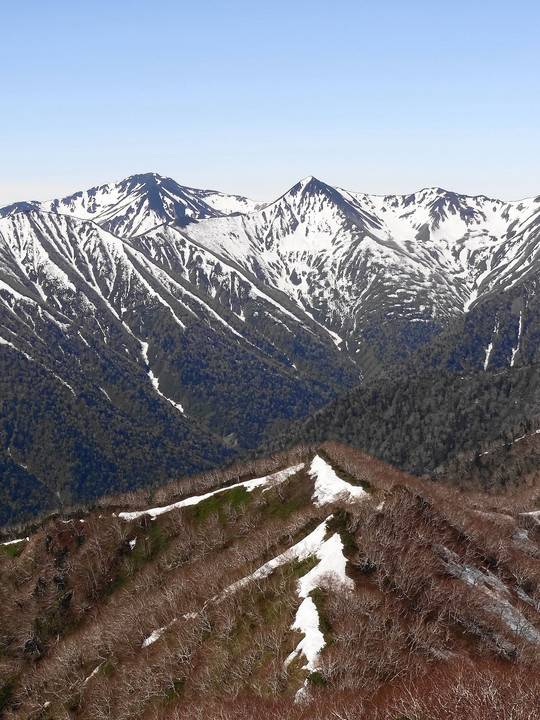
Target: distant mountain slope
241,318
124,363
501,330
476,382
418,422
383,272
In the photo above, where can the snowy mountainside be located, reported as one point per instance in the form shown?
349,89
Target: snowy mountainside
122,288
351,261
364,265
103,338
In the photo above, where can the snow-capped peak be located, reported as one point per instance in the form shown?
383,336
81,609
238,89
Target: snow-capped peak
140,203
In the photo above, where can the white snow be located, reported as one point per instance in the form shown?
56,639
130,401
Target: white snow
153,379
249,485
329,487
144,351
307,621
490,346
488,353
116,202
515,350
332,564
155,382
154,636
332,561
66,384
83,339
302,550
94,672
14,542
522,437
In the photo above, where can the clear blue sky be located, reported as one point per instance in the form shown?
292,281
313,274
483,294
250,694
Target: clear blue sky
249,97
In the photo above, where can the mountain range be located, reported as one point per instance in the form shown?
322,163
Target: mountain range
149,330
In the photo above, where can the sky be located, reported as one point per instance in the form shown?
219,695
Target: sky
250,97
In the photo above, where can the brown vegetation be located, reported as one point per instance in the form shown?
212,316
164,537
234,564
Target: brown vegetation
103,618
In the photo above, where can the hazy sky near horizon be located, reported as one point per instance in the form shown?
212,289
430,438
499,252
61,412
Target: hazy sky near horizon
249,97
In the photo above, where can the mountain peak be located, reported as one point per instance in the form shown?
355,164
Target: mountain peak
148,177
147,180
311,184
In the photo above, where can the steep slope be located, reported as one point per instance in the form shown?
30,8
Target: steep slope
501,330
383,272
418,422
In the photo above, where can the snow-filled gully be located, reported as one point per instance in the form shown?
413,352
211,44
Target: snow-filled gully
332,564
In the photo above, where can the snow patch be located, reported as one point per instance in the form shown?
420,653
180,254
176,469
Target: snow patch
144,351
307,621
329,487
14,542
515,350
154,636
155,382
249,485
332,564
488,353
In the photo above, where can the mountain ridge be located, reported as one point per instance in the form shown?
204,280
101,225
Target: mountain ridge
315,583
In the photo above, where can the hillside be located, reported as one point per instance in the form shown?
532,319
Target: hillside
320,583
421,421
